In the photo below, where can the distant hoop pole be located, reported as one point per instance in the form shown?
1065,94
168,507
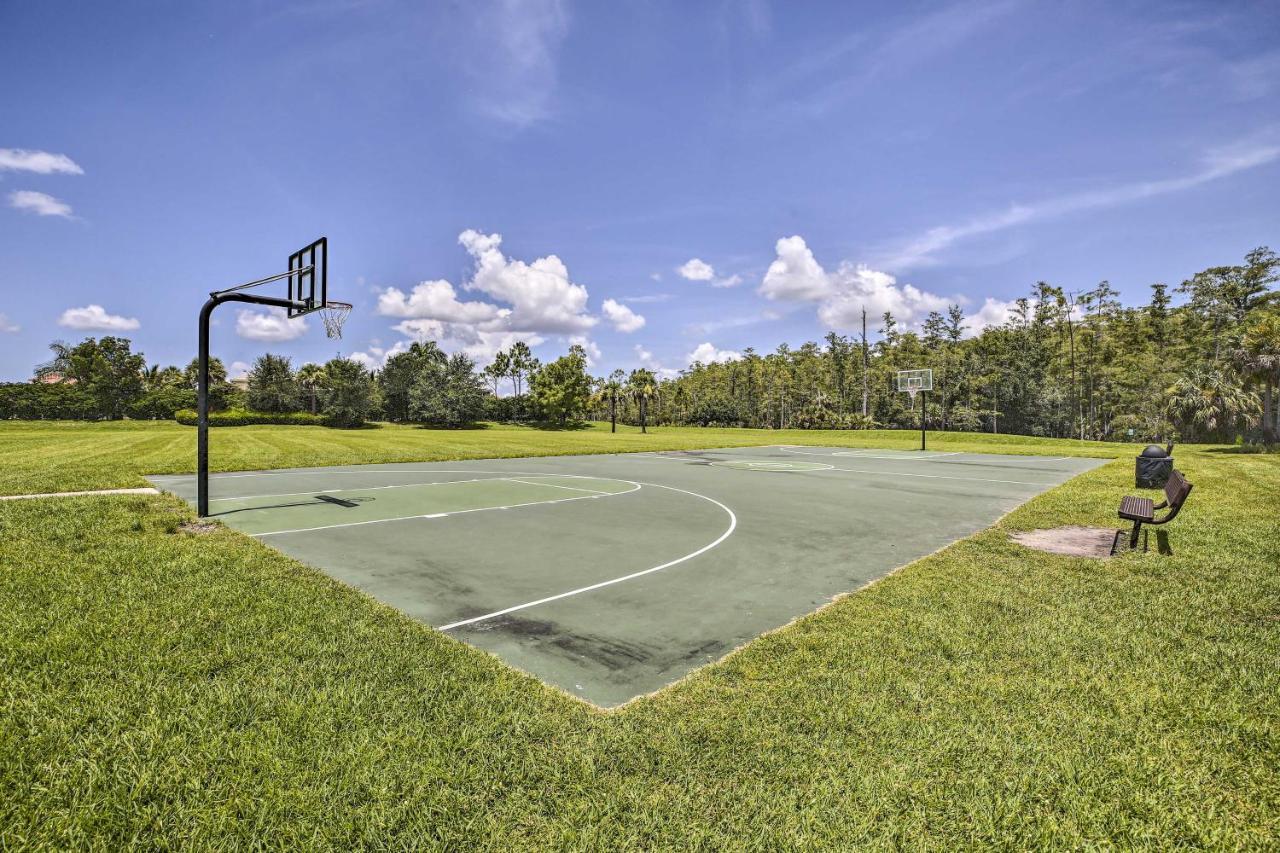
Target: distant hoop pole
924,404
913,382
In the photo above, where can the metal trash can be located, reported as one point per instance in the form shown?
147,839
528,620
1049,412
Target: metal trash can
1153,466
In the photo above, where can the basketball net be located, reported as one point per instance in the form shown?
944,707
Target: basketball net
333,315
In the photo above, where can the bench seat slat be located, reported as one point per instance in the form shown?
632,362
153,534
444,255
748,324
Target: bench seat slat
1136,508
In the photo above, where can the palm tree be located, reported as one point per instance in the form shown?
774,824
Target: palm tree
641,384
312,378
612,387
1208,401
1259,358
151,377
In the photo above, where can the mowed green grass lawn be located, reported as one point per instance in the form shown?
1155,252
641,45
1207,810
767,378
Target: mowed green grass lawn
164,689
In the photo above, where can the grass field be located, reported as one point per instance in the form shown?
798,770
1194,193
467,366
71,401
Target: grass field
163,689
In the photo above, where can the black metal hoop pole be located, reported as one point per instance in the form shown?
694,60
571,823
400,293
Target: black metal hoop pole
924,405
202,388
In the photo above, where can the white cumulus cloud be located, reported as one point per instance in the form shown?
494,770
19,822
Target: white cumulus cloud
696,269
367,361
40,162
648,361
707,353
479,345
593,351
41,204
541,295
238,370
436,300
522,301
272,325
795,275
8,326
622,317
994,312
95,317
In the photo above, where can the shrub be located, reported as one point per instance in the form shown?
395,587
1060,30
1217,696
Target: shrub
239,417
162,403
36,401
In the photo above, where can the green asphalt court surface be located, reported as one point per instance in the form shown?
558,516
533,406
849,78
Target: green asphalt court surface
611,576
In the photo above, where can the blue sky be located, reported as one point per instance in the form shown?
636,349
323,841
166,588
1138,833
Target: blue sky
735,173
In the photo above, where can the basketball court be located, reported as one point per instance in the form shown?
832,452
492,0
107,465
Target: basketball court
611,576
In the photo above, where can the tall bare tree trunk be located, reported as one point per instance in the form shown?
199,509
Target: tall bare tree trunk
866,362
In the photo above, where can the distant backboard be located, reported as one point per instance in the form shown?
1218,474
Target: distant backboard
309,287
913,381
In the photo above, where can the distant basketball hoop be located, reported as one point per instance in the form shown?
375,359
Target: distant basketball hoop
913,382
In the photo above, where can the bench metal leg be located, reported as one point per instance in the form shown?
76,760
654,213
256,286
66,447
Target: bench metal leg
1133,537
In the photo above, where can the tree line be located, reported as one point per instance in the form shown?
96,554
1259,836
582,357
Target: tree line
1065,364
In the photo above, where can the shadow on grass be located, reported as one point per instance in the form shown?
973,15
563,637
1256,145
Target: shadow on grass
478,426
554,426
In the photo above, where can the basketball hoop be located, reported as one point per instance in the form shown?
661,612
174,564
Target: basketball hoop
333,315
913,382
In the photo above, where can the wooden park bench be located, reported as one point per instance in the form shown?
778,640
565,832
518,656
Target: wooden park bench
1143,511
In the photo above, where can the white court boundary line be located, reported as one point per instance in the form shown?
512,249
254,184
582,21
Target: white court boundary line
566,488
456,512
733,524
866,455
905,474
766,465
421,485
788,448
944,477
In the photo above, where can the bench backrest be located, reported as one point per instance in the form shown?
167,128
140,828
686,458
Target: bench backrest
1175,491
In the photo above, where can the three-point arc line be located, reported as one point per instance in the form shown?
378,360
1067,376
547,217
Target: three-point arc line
733,524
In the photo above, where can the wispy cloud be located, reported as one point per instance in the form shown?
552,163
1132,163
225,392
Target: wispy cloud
41,204
710,327
513,61
7,326
40,162
1219,163
848,66
1255,77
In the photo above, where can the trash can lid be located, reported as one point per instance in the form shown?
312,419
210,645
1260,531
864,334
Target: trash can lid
1154,451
